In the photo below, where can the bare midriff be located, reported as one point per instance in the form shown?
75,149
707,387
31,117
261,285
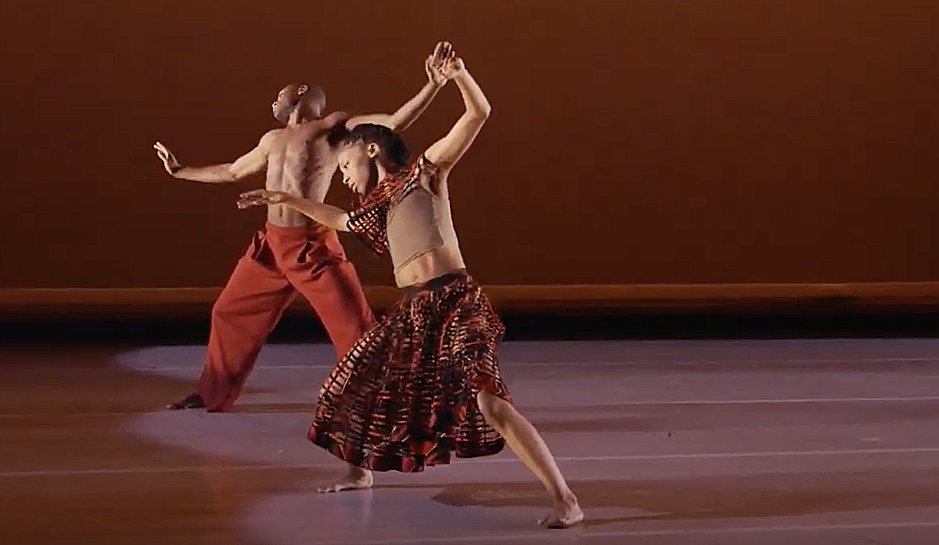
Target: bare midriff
435,262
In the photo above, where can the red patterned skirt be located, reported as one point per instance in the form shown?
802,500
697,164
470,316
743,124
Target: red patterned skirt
404,396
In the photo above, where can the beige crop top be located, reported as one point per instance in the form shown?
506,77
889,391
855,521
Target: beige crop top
405,215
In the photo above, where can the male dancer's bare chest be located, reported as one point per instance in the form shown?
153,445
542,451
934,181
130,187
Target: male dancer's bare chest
300,164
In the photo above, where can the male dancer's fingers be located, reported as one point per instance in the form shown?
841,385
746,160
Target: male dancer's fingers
442,51
164,154
448,60
440,59
434,70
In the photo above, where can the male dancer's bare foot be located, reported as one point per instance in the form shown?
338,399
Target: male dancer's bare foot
566,513
356,479
191,401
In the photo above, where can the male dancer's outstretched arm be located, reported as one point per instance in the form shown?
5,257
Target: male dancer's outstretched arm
326,214
256,160
412,109
253,162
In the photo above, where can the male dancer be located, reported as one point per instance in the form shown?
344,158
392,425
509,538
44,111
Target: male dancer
291,254
425,381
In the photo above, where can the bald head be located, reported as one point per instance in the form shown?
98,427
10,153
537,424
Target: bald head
311,101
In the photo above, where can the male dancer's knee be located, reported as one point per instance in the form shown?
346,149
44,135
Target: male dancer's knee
225,306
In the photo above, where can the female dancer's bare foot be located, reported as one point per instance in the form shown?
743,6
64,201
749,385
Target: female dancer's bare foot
356,479
566,513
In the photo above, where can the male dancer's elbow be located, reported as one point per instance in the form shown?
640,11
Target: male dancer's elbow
482,112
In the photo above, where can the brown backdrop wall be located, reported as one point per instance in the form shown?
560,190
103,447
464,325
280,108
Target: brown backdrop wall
692,141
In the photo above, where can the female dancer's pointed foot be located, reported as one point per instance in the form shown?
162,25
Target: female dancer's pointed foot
566,514
355,479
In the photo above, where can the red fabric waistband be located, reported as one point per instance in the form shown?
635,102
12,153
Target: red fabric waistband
314,230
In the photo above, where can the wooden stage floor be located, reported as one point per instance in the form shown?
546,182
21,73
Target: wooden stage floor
726,442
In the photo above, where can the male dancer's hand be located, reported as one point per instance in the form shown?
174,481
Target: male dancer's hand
435,62
170,163
433,72
452,67
259,197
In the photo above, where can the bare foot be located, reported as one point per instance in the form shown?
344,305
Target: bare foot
566,514
356,479
191,401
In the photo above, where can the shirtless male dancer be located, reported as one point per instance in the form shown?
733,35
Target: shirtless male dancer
291,254
424,382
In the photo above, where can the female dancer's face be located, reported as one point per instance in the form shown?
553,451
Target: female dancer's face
355,163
